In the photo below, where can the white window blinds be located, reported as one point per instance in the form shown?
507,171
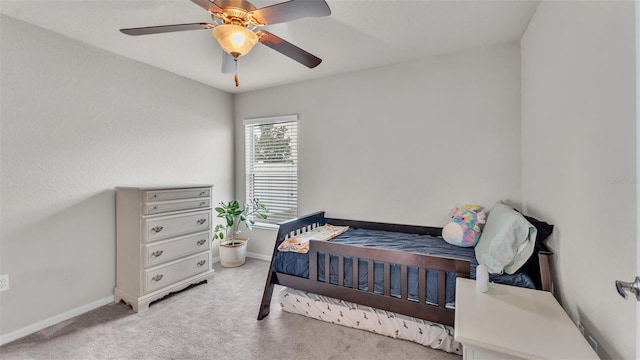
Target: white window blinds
272,165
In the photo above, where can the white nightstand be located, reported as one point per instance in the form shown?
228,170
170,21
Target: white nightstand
509,322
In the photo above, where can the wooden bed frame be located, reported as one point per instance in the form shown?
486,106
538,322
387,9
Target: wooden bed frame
418,309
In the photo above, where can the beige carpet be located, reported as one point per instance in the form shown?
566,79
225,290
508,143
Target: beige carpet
210,321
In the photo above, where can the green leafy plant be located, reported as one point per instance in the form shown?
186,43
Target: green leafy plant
234,214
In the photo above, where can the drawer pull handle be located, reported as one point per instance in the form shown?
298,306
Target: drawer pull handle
155,196
155,207
202,262
157,253
203,193
157,277
201,242
157,229
201,221
203,203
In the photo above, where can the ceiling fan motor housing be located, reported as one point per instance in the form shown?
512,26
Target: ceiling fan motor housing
236,16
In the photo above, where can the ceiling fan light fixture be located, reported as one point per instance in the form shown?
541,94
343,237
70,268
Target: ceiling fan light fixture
235,40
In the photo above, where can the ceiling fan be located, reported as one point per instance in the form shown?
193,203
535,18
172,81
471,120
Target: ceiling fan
237,28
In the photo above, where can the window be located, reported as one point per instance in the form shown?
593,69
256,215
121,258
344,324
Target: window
272,165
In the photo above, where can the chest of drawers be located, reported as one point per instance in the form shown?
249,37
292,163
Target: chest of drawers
163,240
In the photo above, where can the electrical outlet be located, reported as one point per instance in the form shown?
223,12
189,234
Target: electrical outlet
4,282
593,343
580,327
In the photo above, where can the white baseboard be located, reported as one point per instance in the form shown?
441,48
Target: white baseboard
249,254
30,329
259,256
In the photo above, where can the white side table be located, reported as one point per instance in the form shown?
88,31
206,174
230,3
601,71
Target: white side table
509,322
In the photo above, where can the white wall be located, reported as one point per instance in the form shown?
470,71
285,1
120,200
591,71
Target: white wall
76,122
402,143
578,157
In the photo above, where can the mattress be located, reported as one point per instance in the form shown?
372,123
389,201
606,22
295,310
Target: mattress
362,317
298,264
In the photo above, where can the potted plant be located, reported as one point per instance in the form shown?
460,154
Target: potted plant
233,249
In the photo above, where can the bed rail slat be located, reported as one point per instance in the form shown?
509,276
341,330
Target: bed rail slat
370,275
441,289
387,278
327,268
355,268
313,267
341,270
422,285
404,282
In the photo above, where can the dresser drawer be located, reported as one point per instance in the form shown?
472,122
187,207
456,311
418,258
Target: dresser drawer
162,251
161,276
159,228
176,205
176,194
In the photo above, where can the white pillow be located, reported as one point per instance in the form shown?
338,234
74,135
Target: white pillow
507,240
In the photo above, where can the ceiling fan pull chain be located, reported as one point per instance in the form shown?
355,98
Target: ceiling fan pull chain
235,62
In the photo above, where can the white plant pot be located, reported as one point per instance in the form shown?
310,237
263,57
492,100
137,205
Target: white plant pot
232,255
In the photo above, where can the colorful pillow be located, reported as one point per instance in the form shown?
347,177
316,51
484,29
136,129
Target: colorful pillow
463,226
507,240
300,243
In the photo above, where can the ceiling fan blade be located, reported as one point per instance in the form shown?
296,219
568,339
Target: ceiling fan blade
166,28
291,10
208,5
228,64
288,49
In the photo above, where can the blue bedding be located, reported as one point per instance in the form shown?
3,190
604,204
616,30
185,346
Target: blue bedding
298,264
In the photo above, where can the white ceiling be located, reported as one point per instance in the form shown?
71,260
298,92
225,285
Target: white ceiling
359,34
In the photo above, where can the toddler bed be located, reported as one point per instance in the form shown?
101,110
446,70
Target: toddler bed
402,269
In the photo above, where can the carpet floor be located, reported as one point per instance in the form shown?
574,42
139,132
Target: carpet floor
215,320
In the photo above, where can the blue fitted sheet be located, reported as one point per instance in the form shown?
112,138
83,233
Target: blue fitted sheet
298,264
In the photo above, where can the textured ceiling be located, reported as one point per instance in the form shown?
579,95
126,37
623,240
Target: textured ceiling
359,34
